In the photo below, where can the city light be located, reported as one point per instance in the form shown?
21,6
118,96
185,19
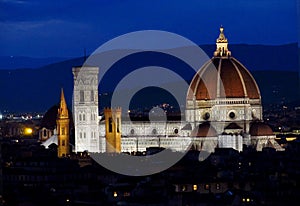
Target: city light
195,187
28,131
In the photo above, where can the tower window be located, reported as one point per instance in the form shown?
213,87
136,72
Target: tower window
154,131
80,117
63,131
110,124
63,143
83,117
81,96
92,95
118,123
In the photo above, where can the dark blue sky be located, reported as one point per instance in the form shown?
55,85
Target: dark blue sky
46,28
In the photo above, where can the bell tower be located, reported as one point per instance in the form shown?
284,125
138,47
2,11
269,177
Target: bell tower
62,123
85,109
113,129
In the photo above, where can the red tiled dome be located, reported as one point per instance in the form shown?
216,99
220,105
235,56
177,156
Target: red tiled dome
233,81
260,129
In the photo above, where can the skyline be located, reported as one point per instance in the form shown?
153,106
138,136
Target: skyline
64,29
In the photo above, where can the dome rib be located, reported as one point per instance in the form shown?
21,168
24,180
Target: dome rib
241,78
249,81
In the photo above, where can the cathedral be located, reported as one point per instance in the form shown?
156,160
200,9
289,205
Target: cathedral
223,109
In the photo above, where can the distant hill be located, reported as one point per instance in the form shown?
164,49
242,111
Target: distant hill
36,89
17,62
275,69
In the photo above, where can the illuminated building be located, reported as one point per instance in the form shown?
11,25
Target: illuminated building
85,109
63,130
113,129
223,109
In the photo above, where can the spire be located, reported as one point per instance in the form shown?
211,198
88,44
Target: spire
63,109
222,45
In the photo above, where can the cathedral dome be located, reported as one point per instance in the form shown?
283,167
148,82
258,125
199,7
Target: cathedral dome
223,76
260,129
204,130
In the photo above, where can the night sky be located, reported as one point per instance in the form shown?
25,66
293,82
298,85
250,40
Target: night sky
50,28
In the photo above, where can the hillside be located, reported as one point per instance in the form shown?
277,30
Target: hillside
275,69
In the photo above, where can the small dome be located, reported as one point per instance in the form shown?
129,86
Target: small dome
49,119
260,129
204,130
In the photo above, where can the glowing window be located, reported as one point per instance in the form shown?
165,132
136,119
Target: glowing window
195,187
206,186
